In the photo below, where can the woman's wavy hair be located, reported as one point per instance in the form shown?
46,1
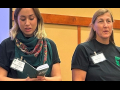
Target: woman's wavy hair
98,13
40,31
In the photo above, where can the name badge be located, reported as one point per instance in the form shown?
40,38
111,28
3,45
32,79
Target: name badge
97,58
17,65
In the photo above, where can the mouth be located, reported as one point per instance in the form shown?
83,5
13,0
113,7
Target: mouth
105,31
27,29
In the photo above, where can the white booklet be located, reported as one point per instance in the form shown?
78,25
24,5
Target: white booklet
42,69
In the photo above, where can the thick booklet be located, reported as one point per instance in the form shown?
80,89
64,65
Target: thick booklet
26,68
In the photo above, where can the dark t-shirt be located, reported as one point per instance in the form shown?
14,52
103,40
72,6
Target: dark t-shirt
7,54
106,70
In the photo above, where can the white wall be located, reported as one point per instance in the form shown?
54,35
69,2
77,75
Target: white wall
4,23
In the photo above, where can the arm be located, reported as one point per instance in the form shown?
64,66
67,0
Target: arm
55,74
80,64
3,76
78,75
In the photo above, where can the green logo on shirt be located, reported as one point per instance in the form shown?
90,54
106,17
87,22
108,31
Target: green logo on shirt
117,59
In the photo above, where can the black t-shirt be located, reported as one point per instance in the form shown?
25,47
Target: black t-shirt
106,70
7,54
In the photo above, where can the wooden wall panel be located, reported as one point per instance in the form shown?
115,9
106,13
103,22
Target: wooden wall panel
70,20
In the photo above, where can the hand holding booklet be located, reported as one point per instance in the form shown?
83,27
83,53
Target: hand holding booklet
26,68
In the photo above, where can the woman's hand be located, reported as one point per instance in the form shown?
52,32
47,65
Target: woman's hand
39,78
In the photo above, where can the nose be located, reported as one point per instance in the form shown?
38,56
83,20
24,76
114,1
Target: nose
27,22
105,24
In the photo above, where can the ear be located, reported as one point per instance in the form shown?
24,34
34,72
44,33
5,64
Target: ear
92,26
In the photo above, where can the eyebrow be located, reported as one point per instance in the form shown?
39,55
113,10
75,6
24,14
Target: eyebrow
103,19
29,15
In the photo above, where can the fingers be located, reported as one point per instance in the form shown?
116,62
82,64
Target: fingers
39,78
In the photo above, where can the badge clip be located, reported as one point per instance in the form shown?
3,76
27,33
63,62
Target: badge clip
21,58
95,53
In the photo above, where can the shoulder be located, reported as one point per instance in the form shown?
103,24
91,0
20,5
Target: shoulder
118,48
52,45
7,42
84,44
80,47
51,42
87,43
84,47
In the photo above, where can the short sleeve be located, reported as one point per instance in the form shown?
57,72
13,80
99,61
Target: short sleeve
80,58
6,53
3,57
55,55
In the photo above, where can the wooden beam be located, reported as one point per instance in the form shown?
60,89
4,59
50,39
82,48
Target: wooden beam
66,20
117,24
79,34
69,20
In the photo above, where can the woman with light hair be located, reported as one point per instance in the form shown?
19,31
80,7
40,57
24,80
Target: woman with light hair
97,59
28,41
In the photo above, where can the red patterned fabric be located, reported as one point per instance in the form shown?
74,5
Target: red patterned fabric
36,50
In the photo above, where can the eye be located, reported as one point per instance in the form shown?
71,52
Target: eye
100,21
109,21
22,19
31,18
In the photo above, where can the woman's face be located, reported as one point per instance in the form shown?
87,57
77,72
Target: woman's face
103,26
27,21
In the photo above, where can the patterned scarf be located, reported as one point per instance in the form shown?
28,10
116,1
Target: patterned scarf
35,51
